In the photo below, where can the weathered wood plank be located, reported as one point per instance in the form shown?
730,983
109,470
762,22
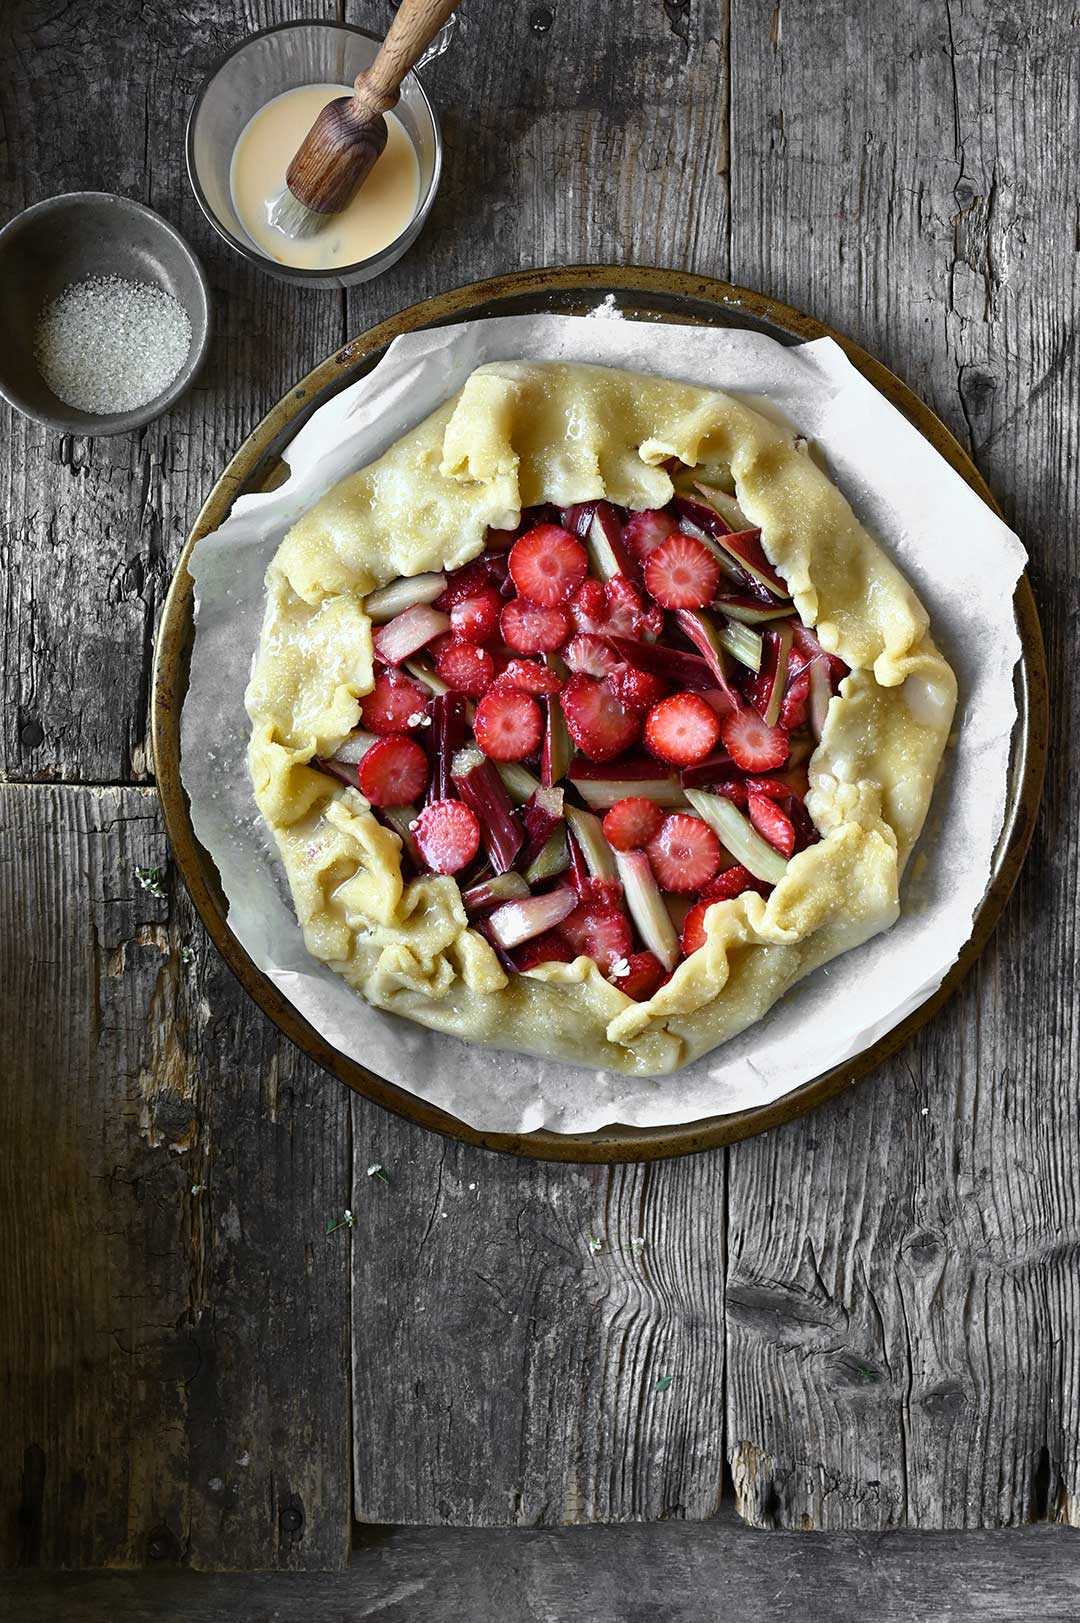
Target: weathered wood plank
677,1573
503,1371
96,97
174,1330
903,1272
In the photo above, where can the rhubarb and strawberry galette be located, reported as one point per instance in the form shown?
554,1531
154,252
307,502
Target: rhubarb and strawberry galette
588,718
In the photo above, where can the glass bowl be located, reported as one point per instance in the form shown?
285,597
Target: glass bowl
262,67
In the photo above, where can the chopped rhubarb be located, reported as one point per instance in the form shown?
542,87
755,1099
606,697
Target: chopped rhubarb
400,819
542,814
820,696
737,835
722,502
771,682
604,792
552,859
603,539
745,548
577,519
491,893
447,712
741,641
704,633
389,601
424,672
589,837
481,788
716,768
519,781
407,633
679,670
557,748
343,771
646,905
749,611
354,747
519,921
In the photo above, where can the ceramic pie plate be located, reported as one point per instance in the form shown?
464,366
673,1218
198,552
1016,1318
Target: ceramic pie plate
643,295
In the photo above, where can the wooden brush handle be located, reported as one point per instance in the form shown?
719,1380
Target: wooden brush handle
415,25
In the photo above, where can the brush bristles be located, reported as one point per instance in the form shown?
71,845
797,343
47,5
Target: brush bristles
292,218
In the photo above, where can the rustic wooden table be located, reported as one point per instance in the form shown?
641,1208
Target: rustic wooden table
871,1319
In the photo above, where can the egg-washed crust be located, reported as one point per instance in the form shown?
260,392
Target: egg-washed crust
516,435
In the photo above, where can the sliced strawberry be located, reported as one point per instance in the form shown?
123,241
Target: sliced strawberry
793,704
476,619
693,931
626,612
393,772
590,655
643,532
770,820
600,726
529,676
600,892
549,948
732,882
447,835
751,744
392,701
637,690
588,606
601,931
548,565
685,853
644,973
682,573
682,729
508,725
771,788
733,789
465,667
464,583
631,823
528,628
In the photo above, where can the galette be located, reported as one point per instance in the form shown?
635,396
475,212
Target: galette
588,718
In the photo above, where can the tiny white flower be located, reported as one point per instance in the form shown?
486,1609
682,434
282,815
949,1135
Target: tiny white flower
619,967
595,1244
638,1243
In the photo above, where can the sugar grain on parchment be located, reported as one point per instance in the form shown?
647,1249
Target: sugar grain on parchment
107,344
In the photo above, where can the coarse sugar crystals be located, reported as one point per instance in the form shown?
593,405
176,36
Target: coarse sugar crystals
107,344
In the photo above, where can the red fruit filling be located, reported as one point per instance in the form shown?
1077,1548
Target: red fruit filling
568,646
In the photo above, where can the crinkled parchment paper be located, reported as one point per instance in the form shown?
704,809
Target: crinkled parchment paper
963,562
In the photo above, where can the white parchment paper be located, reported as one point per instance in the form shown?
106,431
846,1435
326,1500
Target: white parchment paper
963,562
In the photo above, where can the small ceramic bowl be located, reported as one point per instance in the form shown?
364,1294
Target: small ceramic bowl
66,239
262,67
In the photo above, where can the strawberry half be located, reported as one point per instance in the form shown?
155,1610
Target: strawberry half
393,772
476,619
732,882
770,820
508,725
529,676
549,948
548,565
590,655
752,744
684,853
528,628
643,532
601,931
600,726
637,690
682,573
631,823
447,835
693,931
643,976
394,698
682,729
465,667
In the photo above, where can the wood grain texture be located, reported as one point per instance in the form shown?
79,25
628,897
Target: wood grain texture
174,1332
904,1267
668,1572
95,96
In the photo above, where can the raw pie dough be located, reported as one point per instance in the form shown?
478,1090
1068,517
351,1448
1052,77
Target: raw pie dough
516,435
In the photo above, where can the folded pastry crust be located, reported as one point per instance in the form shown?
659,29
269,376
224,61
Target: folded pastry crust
516,435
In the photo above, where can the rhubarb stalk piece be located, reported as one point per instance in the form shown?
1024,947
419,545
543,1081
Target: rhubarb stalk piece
646,906
483,791
516,922
403,594
737,834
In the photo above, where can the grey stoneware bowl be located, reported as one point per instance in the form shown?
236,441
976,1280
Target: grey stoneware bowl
63,240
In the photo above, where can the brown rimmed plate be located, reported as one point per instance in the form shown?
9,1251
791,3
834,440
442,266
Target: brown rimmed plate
644,295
